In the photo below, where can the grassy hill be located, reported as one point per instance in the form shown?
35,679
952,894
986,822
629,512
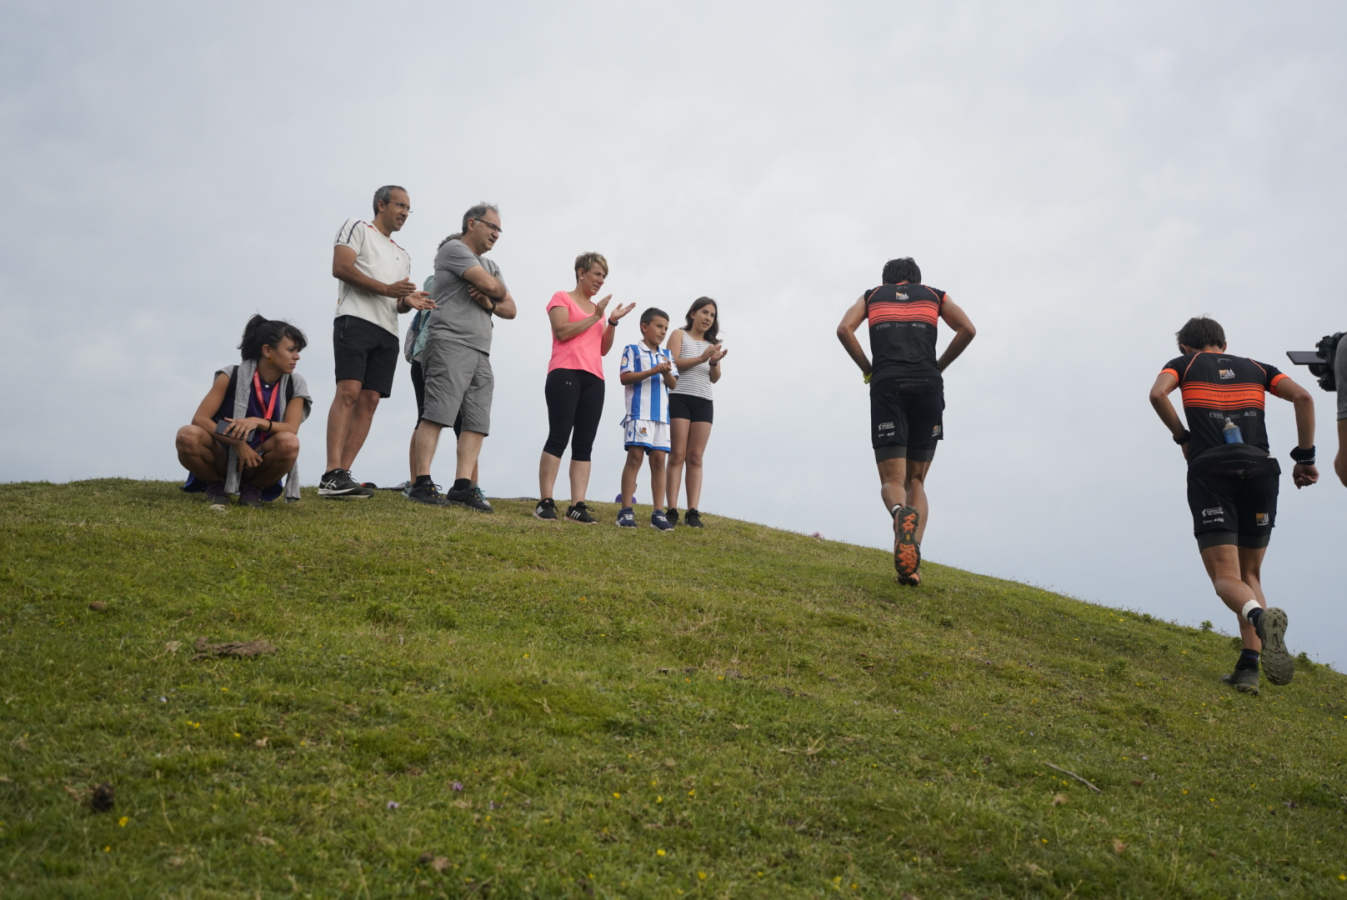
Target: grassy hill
468,705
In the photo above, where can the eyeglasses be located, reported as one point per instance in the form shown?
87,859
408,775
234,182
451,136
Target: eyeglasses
495,229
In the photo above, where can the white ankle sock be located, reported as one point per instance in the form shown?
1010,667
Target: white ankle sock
1248,608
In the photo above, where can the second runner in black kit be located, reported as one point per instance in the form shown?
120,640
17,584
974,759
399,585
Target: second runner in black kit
907,399
1232,480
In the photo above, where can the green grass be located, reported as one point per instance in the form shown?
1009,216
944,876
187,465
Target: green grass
467,705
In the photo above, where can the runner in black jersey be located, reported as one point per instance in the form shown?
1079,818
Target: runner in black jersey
907,397
1232,480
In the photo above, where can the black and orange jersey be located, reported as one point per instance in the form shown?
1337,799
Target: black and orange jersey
902,320
1218,387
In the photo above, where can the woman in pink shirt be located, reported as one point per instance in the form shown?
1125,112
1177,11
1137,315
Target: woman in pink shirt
582,332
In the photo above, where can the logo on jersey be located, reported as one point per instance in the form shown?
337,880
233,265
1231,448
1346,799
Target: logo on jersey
1227,374
901,296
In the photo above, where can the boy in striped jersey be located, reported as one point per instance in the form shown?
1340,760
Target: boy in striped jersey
647,374
1232,480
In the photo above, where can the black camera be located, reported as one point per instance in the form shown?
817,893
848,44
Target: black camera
1320,360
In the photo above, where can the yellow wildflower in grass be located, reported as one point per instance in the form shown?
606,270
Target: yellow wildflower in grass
701,876
659,852
616,795
121,823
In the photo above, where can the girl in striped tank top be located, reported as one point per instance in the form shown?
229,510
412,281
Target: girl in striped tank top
697,352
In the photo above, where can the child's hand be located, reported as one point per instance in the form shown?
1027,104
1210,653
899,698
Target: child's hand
719,354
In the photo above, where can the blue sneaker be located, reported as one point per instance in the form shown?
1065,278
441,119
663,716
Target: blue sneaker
626,517
661,521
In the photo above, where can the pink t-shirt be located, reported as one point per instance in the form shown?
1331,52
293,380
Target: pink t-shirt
584,351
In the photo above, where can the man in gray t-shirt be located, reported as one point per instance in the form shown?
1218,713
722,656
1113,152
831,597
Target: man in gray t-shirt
1340,373
456,361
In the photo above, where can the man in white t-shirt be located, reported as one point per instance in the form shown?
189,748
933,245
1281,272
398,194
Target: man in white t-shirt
373,286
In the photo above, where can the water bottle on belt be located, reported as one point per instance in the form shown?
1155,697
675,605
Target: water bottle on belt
1230,431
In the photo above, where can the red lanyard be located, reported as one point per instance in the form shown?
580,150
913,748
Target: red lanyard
271,404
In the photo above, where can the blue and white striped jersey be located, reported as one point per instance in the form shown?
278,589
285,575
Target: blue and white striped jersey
649,398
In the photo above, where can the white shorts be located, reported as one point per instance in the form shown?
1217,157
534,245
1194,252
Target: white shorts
647,434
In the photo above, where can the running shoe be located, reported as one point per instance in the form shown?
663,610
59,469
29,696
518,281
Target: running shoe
661,521
216,496
626,517
1277,663
250,495
579,512
471,497
693,519
427,492
672,515
1243,680
906,552
338,484
546,509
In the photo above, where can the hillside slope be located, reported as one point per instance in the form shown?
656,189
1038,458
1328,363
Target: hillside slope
461,704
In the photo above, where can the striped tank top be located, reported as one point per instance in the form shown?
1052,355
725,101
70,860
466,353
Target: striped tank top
694,381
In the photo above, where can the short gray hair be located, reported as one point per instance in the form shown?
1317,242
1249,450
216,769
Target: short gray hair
476,212
384,194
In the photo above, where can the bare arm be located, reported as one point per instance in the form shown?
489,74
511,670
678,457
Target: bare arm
487,284
1340,461
344,268
715,363
1302,475
964,332
210,403
1164,385
846,333
563,329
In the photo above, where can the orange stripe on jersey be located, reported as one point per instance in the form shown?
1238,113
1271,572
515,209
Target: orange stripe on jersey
1221,396
1278,378
917,311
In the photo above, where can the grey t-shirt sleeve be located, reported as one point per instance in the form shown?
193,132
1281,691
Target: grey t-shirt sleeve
301,392
456,258
1340,373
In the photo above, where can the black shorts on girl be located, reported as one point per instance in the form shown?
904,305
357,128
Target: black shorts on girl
686,406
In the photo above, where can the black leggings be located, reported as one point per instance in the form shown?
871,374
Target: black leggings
574,401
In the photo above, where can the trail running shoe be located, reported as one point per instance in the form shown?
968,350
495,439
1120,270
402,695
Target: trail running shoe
661,521
471,497
1243,680
427,492
693,520
338,485
626,517
216,496
906,551
546,509
1277,663
250,495
672,515
579,512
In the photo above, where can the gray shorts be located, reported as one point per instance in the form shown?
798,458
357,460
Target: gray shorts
458,379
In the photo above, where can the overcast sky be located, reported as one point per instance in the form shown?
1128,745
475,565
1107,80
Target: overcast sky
1081,178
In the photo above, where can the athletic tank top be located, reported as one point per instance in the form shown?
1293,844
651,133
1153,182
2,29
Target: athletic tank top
903,321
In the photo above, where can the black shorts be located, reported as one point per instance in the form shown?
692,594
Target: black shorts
906,418
686,406
364,352
1233,501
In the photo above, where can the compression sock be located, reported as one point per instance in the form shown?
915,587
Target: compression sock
1248,659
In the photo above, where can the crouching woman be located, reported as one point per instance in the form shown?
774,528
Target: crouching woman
244,438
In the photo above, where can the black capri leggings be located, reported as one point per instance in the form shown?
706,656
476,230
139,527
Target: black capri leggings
574,402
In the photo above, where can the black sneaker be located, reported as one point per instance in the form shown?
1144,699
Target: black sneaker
672,515
1277,663
693,520
1243,680
250,495
338,484
579,512
546,509
216,496
471,497
426,492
